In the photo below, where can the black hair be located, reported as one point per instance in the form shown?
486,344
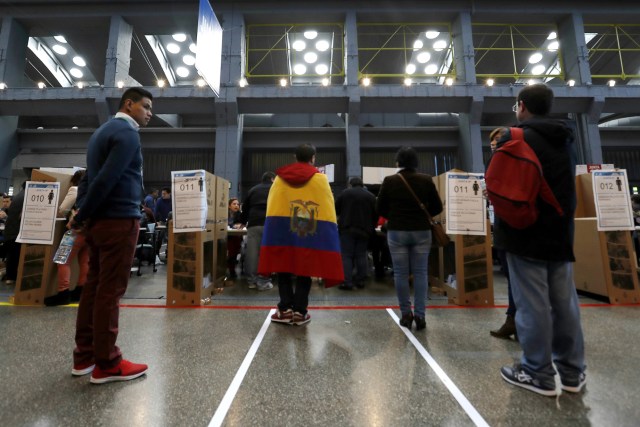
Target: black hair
356,181
538,99
407,158
305,152
135,94
166,190
77,177
268,177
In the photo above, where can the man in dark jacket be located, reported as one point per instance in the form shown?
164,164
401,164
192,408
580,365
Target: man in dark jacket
357,219
540,260
109,208
254,213
11,231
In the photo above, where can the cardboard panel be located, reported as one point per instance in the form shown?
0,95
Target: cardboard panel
588,270
620,266
586,207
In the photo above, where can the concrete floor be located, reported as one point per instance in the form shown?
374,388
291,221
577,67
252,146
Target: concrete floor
352,365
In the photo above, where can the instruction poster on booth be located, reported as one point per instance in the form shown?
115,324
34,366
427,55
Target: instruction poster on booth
612,200
39,213
466,205
189,200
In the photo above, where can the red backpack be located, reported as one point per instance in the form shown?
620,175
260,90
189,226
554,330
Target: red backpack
514,182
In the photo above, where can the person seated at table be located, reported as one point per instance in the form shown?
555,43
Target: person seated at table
234,243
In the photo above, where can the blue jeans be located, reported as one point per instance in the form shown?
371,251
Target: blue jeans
353,248
252,256
547,318
410,255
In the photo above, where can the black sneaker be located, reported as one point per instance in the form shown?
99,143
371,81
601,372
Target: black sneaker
576,385
61,298
519,377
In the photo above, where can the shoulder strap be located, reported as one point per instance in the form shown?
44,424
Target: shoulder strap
422,206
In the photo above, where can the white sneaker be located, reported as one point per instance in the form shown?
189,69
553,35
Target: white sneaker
252,285
267,286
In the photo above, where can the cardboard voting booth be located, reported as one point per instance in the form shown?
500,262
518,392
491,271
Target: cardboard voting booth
37,273
197,260
606,262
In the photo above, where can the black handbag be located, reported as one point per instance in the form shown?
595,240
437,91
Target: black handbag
438,235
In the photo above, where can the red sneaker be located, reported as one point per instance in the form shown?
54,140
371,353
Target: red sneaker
80,369
124,371
282,316
301,319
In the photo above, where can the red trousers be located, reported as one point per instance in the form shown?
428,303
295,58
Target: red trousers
113,244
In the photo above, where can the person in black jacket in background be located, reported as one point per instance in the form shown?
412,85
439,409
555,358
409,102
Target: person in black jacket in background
254,212
357,218
409,232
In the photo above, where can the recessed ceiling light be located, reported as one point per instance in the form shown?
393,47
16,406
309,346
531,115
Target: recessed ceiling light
418,44
366,81
310,57
408,81
535,58
80,85
322,69
75,72
173,48
120,84
311,34
161,83
182,72
79,61
423,57
201,83
431,69
531,82
299,45
325,82
439,45
490,82
192,47
448,81
538,69
283,82
553,46
60,50
410,68
60,39
322,45
41,85
552,35
3,86
432,34
180,37
189,59
571,83
611,83
299,69
242,82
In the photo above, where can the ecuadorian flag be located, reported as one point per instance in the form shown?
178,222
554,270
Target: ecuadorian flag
300,232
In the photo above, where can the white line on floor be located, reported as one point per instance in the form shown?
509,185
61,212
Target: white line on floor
225,404
455,391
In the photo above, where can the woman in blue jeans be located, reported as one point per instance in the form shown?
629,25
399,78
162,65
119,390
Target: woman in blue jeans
408,232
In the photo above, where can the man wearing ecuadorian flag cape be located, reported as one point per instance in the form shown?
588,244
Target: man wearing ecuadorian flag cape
300,238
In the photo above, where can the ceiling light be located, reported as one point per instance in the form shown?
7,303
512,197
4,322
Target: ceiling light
192,47
571,83
553,46
432,34
120,84
538,69
41,85
325,82
439,45
201,83
182,72
448,81
552,35
410,68
310,57
60,50
60,39
74,127
79,61
80,85
242,82
423,57
535,58
611,83
161,83
173,48
431,69
531,82
417,44
3,86
283,82
299,69
299,45
322,45
75,72
189,59
311,34
490,82
180,37
408,81
322,69
366,81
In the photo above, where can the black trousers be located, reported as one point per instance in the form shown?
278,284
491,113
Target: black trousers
297,299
